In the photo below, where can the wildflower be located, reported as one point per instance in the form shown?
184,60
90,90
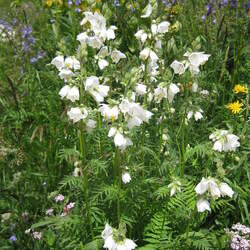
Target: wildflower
117,55
174,186
178,67
235,107
116,240
5,217
97,90
77,114
173,89
119,139
49,211
141,35
147,11
203,205
209,185
224,141
13,238
226,190
37,235
240,89
126,178
109,113
141,89
71,93
197,115
77,172
59,197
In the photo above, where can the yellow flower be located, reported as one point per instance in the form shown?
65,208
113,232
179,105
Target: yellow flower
240,89
48,3
235,107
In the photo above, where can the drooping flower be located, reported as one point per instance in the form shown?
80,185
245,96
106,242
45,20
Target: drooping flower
97,90
226,190
203,205
174,186
223,141
109,113
71,93
197,115
147,11
173,89
77,114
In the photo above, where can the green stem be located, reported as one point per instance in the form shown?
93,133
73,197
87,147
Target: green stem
247,105
85,179
118,170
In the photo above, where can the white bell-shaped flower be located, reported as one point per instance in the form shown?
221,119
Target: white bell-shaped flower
203,205
77,114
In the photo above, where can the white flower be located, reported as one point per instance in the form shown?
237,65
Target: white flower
76,172
97,90
108,231
72,63
209,185
174,187
173,89
141,89
66,74
195,87
154,28
178,67
110,33
226,190
111,244
102,63
202,187
64,91
94,42
160,93
141,35
109,113
58,62
147,11
198,115
197,58
117,55
203,205
83,38
119,139
144,54
77,114
126,178
163,27
224,141
90,125
73,94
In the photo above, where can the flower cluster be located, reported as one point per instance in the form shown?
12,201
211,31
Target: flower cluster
224,141
240,237
212,188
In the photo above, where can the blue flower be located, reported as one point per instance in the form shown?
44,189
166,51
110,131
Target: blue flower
13,238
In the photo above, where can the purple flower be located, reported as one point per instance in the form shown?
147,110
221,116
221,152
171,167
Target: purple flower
77,10
13,238
70,3
214,21
78,2
59,197
204,17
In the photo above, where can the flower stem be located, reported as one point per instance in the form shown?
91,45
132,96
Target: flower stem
118,170
85,178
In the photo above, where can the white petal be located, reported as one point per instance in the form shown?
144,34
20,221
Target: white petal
203,205
64,91
102,63
119,139
148,11
226,190
112,132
